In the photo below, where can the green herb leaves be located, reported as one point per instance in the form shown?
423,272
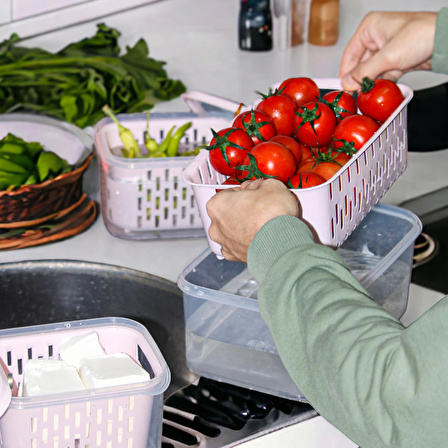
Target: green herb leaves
76,82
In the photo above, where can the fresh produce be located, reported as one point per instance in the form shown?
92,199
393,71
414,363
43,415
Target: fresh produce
342,103
257,124
268,159
292,144
314,124
302,90
169,147
74,83
228,149
305,180
281,109
26,163
353,132
131,148
313,139
378,99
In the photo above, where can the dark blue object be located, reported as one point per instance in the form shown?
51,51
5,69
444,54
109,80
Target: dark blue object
255,25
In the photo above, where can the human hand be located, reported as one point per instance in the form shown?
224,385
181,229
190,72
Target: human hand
237,214
387,45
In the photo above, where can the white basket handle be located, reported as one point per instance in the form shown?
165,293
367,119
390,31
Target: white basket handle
5,389
197,102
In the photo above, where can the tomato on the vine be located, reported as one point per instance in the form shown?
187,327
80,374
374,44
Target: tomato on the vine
268,159
314,124
302,90
353,132
228,148
305,180
292,144
379,99
257,124
281,109
342,103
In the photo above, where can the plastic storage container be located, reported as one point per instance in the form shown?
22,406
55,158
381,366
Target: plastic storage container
334,209
116,417
147,198
226,337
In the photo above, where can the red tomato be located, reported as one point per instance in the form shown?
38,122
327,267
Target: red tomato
292,144
302,90
268,159
307,152
314,124
379,99
324,169
342,103
228,148
230,181
353,132
257,124
281,109
305,180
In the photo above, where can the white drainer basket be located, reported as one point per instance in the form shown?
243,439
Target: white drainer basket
128,416
148,198
334,209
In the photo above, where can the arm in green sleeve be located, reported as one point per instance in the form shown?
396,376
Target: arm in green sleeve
439,60
381,384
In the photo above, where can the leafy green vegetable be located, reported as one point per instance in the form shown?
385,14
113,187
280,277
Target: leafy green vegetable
77,81
26,163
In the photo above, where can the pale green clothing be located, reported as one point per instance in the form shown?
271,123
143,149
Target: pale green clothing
380,383
440,54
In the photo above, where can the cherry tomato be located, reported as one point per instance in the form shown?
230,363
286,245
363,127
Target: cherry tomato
307,152
281,109
257,124
379,99
228,148
324,169
302,90
342,103
292,144
268,159
229,181
353,132
305,180
314,124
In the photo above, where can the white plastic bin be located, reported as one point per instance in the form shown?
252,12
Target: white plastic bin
114,417
147,198
333,209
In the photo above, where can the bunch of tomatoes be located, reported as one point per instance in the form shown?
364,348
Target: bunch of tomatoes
299,135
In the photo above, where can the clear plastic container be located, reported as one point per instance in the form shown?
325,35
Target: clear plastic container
116,417
226,337
147,198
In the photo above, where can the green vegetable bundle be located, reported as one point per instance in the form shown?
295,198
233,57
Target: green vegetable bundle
77,81
26,163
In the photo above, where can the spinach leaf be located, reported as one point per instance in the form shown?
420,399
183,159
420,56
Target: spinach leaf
74,83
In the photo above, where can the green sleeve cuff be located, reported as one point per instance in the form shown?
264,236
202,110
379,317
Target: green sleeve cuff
439,63
275,238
